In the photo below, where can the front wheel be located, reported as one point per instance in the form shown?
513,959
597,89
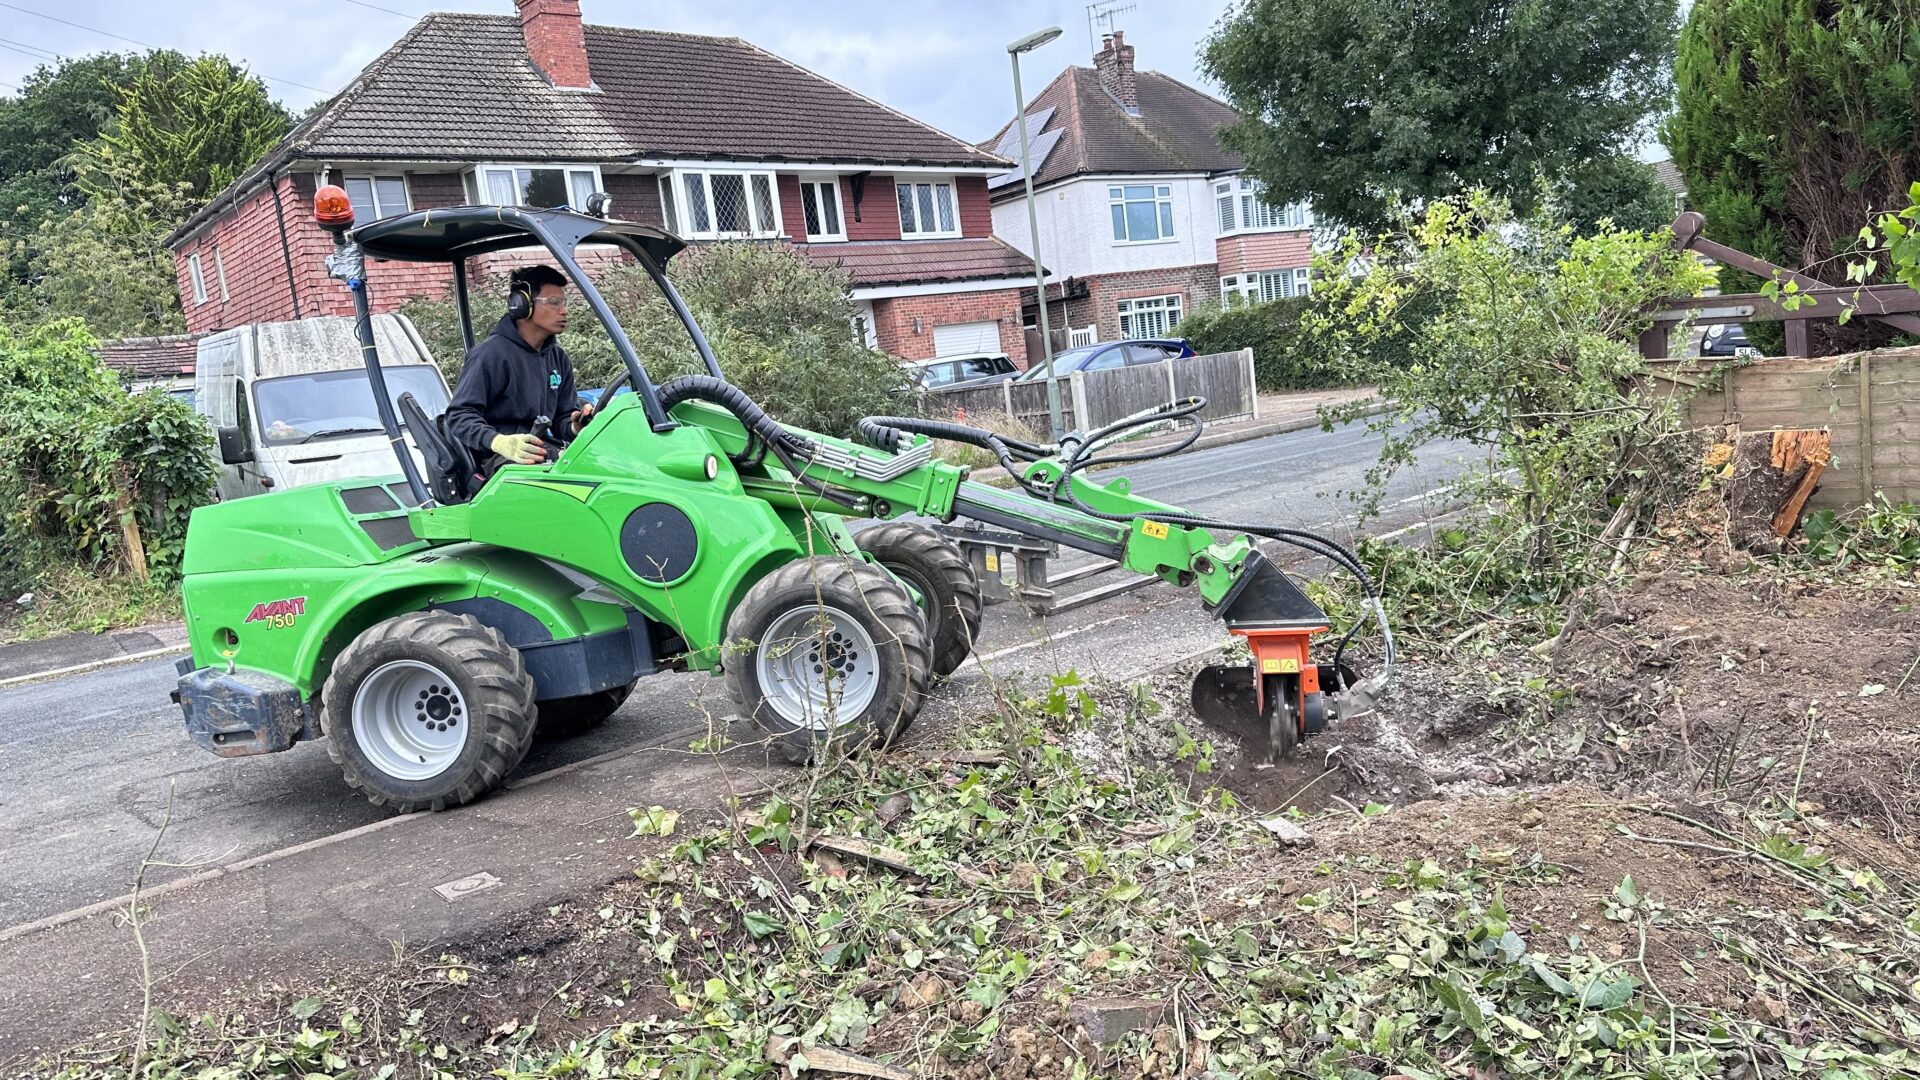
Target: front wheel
940,573
428,710
827,653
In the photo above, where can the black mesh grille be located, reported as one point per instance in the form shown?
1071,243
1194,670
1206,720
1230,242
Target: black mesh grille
404,494
368,500
390,532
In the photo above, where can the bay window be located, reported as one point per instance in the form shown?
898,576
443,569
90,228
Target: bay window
1242,206
534,187
710,205
1258,286
1142,213
1149,316
927,208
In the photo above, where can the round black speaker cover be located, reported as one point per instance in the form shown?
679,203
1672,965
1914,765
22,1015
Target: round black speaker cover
659,543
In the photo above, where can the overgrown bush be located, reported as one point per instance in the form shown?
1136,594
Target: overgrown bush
782,328
1283,358
85,453
1526,349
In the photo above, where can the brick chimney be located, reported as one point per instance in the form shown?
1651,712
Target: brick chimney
556,41
1115,65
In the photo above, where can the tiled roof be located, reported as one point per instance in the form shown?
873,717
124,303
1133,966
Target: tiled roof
1177,130
920,262
461,88
152,357
1670,177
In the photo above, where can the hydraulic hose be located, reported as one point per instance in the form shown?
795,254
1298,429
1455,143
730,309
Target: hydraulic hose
889,432
735,400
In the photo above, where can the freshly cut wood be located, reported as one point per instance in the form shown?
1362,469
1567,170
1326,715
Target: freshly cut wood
1773,473
824,1059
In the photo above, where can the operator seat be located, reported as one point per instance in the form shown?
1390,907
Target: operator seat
452,475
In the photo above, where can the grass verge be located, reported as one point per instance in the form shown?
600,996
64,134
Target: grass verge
70,599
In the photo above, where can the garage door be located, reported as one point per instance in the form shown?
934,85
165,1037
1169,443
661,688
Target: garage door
966,337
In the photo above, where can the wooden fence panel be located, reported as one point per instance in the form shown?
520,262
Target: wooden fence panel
1869,401
1224,379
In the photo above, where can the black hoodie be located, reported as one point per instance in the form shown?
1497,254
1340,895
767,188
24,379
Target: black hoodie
506,385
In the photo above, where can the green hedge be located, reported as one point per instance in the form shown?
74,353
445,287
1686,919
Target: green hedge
81,448
1283,357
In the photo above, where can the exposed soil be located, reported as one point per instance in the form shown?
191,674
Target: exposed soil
1684,707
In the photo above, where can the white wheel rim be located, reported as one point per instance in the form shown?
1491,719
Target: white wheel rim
818,667
410,720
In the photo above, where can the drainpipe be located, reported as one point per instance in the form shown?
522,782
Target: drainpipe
286,248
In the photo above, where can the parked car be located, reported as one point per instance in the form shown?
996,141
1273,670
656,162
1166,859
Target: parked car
1726,339
971,369
1107,355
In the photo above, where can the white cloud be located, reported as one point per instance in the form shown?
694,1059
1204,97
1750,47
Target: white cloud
943,63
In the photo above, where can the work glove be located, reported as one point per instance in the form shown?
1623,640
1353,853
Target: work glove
580,418
520,449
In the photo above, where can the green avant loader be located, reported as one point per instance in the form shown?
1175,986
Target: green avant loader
429,623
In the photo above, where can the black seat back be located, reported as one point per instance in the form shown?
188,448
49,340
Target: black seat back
449,464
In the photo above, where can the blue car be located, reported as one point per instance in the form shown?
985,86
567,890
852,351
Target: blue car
1107,355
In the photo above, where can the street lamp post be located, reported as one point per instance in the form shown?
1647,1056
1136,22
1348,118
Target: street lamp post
1028,44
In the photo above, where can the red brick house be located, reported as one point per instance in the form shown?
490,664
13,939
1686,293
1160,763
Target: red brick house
713,138
1142,212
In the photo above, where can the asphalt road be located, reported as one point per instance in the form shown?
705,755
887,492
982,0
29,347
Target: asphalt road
91,765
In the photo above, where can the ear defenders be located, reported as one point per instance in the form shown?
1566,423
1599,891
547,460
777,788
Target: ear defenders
520,302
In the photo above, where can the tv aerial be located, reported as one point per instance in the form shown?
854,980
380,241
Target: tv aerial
1100,20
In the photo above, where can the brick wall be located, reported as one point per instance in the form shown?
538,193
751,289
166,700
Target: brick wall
636,197
976,212
786,187
1263,251
1194,285
895,321
879,213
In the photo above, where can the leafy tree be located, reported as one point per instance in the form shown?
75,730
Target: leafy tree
107,263
189,123
57,107
1616,188
1350,103
1795,121
781,326
1526,346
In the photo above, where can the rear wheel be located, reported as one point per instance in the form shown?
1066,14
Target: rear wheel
563,718
827,654
940,573
428,710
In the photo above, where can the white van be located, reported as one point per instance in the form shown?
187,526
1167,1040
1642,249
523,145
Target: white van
290,403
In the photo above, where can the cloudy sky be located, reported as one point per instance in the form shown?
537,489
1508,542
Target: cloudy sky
944,63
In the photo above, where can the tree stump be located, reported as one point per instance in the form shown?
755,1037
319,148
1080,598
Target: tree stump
1773,473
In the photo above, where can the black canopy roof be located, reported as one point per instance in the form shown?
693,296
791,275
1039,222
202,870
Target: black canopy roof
460,232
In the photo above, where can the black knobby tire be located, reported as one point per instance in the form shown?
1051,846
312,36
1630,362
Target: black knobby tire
826,595
563,718
940,572
482,675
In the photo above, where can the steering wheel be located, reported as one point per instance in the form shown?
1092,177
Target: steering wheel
613,387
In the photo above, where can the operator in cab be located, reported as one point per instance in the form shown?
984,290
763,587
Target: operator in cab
515,401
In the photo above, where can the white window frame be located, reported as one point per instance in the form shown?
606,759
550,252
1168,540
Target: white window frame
761,226
1164,218
220,273
820,186
1170,309
931,208
1240,209
1260,286
482,195
381,210
197,277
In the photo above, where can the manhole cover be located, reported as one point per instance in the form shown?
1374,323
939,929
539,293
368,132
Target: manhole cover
459,888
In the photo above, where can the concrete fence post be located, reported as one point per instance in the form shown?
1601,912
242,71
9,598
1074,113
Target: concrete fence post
1173,395
1253,385
1078,381
1006,395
